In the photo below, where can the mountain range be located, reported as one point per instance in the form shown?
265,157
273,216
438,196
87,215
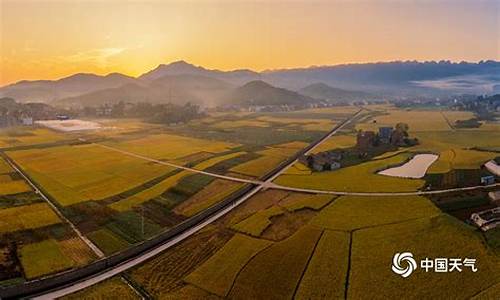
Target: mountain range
181,82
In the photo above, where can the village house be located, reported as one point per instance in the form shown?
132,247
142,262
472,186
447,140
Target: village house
323,161
365,140
385,134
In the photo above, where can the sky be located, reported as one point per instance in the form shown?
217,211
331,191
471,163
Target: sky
50,39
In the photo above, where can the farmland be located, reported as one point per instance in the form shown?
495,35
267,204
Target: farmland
278,244
343,179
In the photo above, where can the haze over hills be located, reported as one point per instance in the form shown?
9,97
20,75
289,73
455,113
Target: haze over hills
258,92
178,89
51,90
323,91
181,82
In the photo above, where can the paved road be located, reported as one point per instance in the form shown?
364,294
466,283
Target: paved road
383,194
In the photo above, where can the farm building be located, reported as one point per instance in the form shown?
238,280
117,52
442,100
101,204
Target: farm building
323,161
385,134
365,140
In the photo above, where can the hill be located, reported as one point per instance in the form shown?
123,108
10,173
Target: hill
236,77
178,89
51,90
326,92
258,92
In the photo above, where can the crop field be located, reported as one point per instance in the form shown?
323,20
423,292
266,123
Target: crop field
170,146
258,222
114,288
336,142
259,166
418,120
169,182
162,275
216,191
42,258
27,217
73,174
217,274
275,272
298,168
9,186
354,212
108,242
440,236
298,201
22,136
326,272
270,158
352,178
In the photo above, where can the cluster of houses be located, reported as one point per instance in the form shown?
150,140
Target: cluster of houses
17,114
366,140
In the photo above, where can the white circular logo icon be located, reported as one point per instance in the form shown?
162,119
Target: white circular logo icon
403,264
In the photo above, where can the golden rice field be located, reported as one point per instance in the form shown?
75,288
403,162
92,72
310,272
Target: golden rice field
296,201
298,168
336,142
441,236
8,186
27,217
416,120
114,288
73,174
276,271
270,158
43,258
169,146
214,192
258,166
326,273
240,123
355,212
21,136
357,178
217,274
258,222
303,123
158,189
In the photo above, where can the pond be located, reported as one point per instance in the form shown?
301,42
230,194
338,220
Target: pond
414,168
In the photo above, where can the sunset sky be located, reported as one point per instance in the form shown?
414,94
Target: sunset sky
52,39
